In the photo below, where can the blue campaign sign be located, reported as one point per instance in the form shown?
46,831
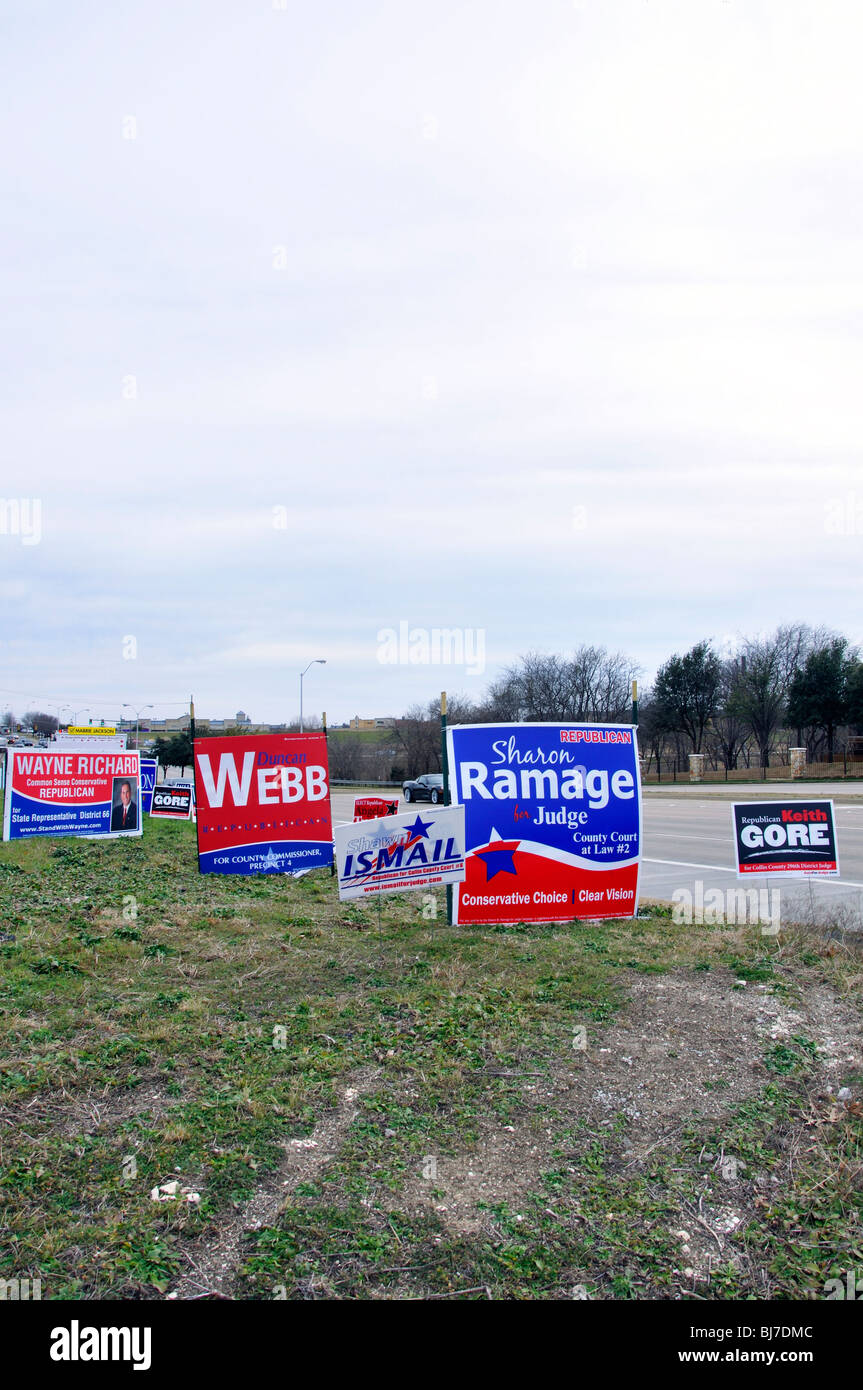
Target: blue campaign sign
149,772
552,820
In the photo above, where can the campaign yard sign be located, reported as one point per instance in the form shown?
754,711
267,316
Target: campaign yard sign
373,807
89,738
552,821
172,800
149,772
397,853
785,837
71,791
263,804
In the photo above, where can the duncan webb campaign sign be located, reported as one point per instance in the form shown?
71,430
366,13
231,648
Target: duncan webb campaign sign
263,804
396,853
785,837
552,820
71,791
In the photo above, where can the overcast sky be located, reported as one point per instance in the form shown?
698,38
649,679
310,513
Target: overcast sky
539,321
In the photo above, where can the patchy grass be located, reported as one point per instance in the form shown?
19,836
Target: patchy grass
384,1106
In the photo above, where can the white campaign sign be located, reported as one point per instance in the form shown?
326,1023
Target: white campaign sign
397,853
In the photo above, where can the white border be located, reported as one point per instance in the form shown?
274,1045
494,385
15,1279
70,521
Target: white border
786,873
74,834
554,724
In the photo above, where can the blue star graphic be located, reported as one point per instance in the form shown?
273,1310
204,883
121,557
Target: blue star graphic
495,861
419,827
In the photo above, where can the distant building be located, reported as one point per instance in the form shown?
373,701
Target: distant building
180,724
379,723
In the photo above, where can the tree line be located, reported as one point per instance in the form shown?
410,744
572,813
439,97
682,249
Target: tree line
799,686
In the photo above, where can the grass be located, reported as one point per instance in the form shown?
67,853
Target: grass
155,1023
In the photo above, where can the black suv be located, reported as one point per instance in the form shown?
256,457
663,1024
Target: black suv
429,787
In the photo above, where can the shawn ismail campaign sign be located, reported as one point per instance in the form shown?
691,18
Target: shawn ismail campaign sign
71,791
785,837
263,804
552,821
396,853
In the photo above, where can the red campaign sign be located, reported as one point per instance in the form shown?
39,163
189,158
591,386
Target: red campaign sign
374,807
263,804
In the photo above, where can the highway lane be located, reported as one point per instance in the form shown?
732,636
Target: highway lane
688,840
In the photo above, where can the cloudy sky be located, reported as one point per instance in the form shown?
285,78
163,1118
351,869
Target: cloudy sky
536,321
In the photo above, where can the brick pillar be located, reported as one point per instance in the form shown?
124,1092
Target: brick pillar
696,767
798,762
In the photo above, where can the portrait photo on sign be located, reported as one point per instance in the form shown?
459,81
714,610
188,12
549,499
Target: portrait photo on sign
124,804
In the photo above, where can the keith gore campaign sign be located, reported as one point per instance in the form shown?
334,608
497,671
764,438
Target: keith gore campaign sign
552,821
263,804
785,837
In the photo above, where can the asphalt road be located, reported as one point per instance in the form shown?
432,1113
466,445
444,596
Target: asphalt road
688,841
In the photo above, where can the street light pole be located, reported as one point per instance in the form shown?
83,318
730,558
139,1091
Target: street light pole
138,713
318,661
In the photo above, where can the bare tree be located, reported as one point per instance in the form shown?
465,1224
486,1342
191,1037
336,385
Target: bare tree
768,667
728,731
343,756
39,721
593,686
417,737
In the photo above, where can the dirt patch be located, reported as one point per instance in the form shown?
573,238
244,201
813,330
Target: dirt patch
213,1262
73,1114
688,1047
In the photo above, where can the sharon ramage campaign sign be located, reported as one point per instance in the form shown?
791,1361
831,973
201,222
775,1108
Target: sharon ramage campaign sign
66,790
785,837
552,820
397,853
263,804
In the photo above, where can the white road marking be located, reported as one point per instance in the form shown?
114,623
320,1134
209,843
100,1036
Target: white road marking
791,879
673,834
681,864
